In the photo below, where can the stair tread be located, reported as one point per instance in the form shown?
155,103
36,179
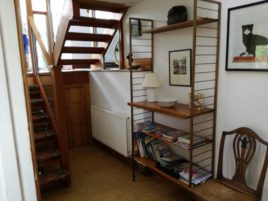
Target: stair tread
39,116
93,22
47,155
78,61
103,6
45,135
88,50
36,100
88,37
53,177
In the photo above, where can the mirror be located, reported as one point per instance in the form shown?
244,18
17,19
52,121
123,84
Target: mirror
141,44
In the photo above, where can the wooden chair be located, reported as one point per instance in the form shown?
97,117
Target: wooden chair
236,189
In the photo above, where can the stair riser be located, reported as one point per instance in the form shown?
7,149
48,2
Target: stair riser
54,179
34,94
43,146
49,161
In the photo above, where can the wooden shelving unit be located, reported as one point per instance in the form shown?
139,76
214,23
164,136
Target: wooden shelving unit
181,25
204,76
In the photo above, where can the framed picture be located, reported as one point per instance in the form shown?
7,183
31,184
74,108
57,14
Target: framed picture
247,38
180,67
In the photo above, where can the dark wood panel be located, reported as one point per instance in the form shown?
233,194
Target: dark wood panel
78,116
72,78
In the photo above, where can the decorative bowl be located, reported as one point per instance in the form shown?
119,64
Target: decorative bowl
166,102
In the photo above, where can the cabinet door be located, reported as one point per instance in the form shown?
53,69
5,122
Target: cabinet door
77,118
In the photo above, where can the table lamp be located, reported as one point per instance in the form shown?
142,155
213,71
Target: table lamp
151,82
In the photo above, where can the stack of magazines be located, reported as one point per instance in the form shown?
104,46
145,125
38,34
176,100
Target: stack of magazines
184,141
199,175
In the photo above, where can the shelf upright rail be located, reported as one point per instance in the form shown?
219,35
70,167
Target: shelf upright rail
141,47
205,62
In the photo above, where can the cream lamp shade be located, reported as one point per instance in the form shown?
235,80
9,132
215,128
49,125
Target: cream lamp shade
151,82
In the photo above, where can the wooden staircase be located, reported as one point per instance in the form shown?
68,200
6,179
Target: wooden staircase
51,170
50,143
99,37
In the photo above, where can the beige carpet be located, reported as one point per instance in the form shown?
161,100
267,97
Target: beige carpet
98,175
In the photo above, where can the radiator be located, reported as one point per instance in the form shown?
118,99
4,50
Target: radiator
110,128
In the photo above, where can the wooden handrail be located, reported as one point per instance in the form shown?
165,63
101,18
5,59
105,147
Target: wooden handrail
48,108
38,37
67,15
57,123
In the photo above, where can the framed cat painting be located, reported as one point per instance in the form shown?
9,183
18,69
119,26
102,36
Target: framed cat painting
247,38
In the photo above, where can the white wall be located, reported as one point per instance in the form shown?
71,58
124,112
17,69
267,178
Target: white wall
9,189
242,96
111,91
16,171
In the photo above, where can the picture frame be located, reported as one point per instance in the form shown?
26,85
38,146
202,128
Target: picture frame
180,67
247,38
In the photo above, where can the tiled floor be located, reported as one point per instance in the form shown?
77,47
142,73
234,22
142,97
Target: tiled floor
98,175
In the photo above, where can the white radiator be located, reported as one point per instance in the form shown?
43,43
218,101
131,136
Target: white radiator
110,128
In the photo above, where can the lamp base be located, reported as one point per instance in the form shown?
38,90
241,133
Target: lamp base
151,95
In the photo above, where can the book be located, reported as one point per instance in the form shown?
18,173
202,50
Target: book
186,139
147,141
187,146
151,127
160,150
170,136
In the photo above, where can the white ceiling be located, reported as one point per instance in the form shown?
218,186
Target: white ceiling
126,2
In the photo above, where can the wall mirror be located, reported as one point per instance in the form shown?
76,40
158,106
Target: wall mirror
141,44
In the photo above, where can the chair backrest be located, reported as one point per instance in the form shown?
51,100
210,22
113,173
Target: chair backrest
244,146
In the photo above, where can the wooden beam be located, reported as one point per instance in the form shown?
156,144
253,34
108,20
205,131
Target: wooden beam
40,41
62,30
61,116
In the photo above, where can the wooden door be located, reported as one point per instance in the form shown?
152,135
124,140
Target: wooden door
78,114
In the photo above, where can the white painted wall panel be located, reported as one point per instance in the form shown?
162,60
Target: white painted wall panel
110,128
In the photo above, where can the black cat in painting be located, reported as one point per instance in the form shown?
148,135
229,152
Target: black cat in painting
251,41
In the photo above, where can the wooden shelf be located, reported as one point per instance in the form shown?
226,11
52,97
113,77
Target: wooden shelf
151,165
180,110
181,25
